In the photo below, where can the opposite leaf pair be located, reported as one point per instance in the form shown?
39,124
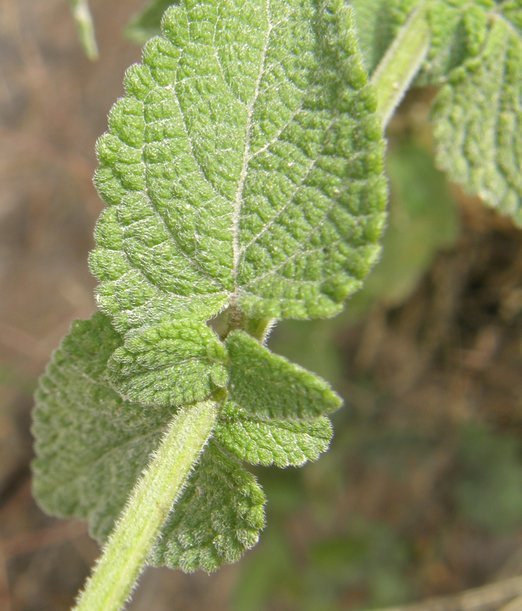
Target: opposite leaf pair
93,444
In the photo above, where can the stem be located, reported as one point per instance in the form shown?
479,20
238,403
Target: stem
139,526
491,596
85,27
401,62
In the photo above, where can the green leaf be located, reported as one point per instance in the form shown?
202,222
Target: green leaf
477,118
174,363
147,23
457,30
457,33
476,55
282,443
91,447
219,516
243,167
378,22
268,386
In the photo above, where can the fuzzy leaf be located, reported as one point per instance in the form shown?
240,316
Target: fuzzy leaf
268,386
478,120
243,166
282,443
457,33
91,447
476,54
174,363
219,516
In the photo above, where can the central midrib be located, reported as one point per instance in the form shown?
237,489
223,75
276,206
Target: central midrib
238,200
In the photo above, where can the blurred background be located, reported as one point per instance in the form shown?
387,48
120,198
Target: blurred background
421,493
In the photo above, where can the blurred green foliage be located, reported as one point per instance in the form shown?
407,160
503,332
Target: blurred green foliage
488,483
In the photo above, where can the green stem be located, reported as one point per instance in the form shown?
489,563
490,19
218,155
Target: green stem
401,62
85,27
139,526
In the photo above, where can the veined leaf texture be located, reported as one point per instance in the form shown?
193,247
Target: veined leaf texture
242,170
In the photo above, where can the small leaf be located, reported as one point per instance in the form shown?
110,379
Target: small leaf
269,386
477,118
91,447
244,167
218,518
282,443
174,363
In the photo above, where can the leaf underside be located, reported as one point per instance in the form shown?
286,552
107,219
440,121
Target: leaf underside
91,447
280,442
170,364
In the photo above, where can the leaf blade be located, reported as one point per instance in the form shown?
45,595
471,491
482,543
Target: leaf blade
90,453
268,386
282,443
220,515
477,119
255,125
171,364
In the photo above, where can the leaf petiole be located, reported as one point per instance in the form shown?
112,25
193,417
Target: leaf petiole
402,61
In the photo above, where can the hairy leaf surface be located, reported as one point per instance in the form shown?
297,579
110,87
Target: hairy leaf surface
173,363
243,166
268,386
92,446
280,442
476,55
478,120
219,516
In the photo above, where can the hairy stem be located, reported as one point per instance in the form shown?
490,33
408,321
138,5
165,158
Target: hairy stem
401,62
139,526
